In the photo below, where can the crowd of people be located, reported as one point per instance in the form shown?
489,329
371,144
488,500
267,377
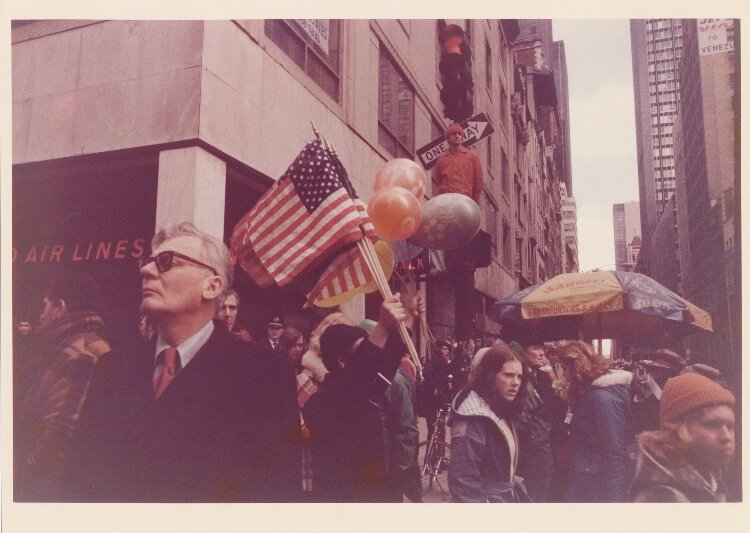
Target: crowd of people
558,422
200,411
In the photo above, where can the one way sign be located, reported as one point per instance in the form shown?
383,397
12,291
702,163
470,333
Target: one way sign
475,129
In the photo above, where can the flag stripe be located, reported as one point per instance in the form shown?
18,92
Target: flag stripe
266,215
302,252
345,273
287,221
279,238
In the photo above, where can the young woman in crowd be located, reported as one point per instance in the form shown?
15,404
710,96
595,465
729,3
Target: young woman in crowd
484,444
600,422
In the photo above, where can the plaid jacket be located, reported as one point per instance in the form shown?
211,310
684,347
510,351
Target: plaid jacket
70,347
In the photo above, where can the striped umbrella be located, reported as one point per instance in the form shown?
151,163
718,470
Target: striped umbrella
602,304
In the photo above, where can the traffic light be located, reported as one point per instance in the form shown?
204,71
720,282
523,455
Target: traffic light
457,93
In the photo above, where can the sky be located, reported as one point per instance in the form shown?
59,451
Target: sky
602,130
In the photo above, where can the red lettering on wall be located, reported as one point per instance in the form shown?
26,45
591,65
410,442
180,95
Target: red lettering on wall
57,250
120,249
95,250
138,248
103,249
31,255
77,257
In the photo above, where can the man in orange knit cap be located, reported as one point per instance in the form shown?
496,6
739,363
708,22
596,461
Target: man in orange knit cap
458,170
686,458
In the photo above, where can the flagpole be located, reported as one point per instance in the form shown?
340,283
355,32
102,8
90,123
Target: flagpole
369,255
385,290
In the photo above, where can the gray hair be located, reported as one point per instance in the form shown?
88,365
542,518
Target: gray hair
213,251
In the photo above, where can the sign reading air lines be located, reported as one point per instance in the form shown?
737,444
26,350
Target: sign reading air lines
475,128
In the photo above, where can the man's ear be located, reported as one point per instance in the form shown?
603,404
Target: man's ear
214,285
61,306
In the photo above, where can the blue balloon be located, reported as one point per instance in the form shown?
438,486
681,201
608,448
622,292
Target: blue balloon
405,251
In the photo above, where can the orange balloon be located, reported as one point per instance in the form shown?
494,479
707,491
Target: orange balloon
403,173
395,213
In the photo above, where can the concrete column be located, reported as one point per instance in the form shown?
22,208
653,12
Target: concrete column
191,188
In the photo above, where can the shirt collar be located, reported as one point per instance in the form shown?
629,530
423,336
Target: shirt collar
190,346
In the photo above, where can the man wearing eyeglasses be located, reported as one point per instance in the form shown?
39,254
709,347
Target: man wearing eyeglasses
186,421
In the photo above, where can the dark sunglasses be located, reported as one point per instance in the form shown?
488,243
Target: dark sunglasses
163,261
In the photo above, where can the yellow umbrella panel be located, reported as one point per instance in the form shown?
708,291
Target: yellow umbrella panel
574,294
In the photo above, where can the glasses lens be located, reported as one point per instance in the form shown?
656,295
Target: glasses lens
163,261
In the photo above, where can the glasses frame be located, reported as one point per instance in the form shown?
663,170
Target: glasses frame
144,261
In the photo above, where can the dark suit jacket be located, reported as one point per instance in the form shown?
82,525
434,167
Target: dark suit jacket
263,348
209,436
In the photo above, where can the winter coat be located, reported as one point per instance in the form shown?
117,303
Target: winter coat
663,482
534,430
484,454
69,346
211,436
601,430
399,407
347,433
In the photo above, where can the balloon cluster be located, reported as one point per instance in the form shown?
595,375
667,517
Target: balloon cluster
445,222
394,208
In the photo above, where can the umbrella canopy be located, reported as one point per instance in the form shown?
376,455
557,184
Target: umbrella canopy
600,304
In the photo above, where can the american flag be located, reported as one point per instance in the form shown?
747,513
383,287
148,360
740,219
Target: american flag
310,212
346,272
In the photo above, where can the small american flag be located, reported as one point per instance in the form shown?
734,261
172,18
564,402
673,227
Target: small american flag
346,272
310,212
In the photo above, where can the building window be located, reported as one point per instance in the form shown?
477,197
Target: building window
395,110
519,255
505,172
504,107
503,51
518,203
488,64
489,144
491,222
314,46
506,243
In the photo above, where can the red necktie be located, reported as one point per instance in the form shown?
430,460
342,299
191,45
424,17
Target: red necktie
170,360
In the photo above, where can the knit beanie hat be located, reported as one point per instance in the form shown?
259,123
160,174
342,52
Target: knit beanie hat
454,128
337,341
688,392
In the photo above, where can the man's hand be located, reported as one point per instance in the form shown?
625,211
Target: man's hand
415,306
391,313
243,334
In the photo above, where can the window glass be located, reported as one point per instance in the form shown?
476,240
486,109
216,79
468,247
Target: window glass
395,110
313,44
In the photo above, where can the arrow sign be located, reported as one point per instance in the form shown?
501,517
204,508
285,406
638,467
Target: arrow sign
475,129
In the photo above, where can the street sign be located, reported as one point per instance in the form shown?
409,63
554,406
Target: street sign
475,129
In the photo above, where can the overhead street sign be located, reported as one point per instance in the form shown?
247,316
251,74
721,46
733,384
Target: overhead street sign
475,129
